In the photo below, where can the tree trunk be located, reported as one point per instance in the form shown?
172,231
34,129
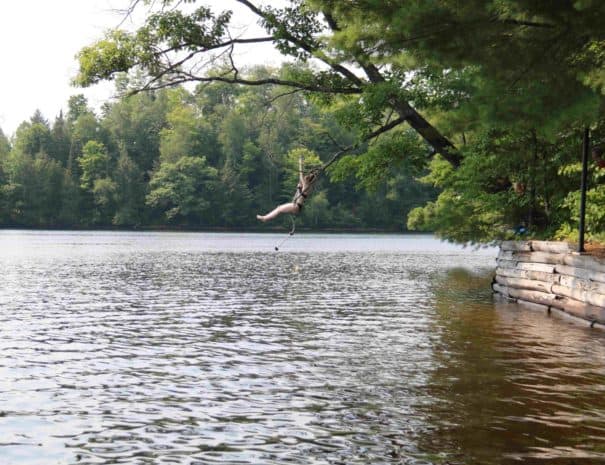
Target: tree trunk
428,132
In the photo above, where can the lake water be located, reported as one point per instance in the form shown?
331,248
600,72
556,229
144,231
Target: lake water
187,348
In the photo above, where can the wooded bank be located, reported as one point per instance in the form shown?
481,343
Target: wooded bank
552,276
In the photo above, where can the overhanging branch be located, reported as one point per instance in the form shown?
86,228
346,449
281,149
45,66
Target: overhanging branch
181,77
356,145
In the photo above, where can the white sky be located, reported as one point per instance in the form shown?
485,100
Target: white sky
38,43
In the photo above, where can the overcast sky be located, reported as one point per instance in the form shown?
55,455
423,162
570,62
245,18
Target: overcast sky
38,42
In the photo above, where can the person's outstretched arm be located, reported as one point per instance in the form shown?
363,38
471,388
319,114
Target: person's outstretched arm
301,178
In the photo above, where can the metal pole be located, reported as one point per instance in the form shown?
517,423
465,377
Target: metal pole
585,148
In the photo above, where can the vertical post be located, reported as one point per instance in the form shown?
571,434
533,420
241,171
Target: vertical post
532,182
585,149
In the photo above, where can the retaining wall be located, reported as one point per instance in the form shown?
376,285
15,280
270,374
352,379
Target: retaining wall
551,276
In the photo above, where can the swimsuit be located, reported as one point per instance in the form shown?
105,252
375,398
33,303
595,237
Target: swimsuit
299,194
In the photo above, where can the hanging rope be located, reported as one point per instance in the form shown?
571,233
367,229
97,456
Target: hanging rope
291,233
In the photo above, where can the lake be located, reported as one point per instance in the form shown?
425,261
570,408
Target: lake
200,348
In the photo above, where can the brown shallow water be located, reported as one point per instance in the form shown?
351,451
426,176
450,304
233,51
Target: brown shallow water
213,348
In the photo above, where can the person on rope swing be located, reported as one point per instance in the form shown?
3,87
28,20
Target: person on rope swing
303,189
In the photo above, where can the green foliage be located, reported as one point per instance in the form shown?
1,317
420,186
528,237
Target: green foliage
595,200
134,125
95,164
184,31
77,106
506,181
398,152
310,161
33,137
95,180
5,146
102,60
129,192
104,191
316,211
183,190
70,212
214,157
185,134
33,190
120,51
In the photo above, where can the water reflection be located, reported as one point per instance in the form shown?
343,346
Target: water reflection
510,385
142,349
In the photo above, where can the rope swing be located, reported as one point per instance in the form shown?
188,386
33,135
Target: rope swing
314,174
290,234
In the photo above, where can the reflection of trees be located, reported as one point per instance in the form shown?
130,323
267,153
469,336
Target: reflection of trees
509,383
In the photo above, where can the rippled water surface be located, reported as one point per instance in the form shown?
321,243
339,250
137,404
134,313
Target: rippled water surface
163,348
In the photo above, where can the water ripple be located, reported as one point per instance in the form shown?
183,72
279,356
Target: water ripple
151,348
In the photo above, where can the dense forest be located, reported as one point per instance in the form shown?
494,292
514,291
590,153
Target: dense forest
212,157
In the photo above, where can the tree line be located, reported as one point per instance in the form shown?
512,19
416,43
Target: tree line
209,157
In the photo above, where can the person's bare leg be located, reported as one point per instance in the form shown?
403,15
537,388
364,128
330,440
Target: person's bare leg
283,208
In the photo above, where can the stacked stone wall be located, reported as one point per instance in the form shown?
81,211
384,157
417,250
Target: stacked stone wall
552,276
